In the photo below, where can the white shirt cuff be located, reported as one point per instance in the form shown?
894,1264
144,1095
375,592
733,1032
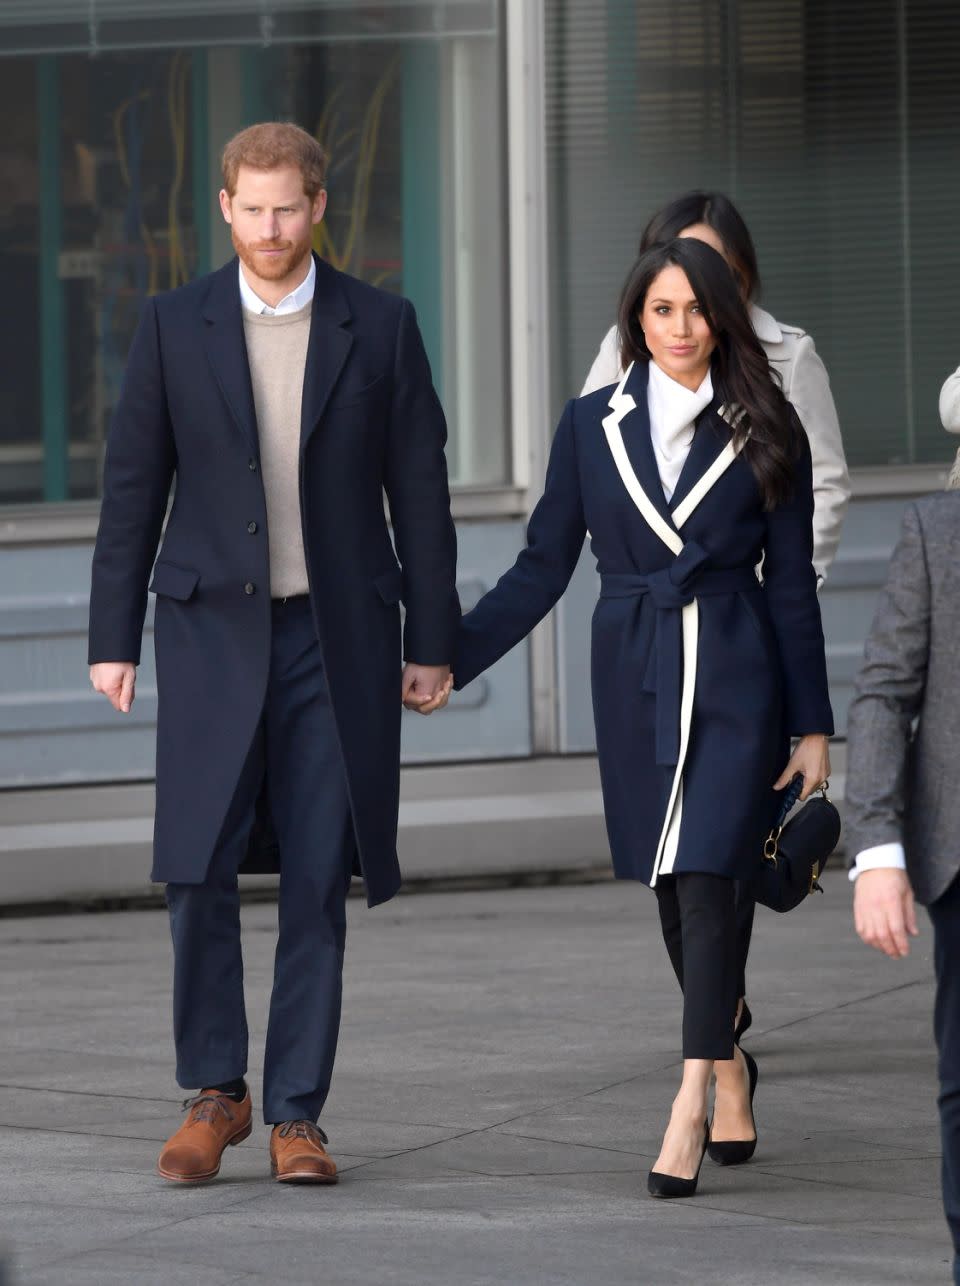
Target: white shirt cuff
889,856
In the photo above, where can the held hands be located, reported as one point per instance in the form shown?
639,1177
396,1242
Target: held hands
812,759
884,912
426,688
117,681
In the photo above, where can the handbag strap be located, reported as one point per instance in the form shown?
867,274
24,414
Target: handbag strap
790,797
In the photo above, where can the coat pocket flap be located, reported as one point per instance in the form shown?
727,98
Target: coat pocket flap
390,586
173,581
351,396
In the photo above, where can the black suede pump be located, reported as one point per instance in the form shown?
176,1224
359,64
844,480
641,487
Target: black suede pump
736,1151
668,1185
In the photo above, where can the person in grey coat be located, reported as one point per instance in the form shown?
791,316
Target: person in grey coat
903,808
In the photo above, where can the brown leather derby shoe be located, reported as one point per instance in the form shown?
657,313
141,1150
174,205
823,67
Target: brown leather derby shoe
298,1155
214,1122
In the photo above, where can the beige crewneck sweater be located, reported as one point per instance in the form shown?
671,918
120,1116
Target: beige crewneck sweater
277,353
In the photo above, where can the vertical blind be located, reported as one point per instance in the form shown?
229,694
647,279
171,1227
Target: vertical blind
835,128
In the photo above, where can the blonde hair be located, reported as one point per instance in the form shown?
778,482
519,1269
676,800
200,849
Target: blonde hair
270,146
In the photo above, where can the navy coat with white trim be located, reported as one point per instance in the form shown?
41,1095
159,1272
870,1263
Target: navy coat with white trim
371,423
697,797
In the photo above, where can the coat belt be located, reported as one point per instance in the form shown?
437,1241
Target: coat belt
671,589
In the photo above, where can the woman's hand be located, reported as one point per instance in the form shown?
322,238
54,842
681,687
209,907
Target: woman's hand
812,758
425,688
439,699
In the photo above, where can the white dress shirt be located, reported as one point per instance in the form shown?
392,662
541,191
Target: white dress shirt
291,303
673,412
889,856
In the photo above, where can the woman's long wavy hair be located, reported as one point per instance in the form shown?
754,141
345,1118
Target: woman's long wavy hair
768,429
718,212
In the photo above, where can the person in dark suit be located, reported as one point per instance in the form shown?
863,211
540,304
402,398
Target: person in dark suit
284,398
902,808
686,473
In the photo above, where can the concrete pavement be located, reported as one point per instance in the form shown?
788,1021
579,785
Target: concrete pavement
507,1064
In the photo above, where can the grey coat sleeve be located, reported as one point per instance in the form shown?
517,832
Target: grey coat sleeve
889,692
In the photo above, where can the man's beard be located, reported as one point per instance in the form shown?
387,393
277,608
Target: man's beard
271,267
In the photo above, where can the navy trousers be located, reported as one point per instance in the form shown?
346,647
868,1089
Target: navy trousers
945,915
296,751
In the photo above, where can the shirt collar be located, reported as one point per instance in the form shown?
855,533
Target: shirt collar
766,327
291,303
674,408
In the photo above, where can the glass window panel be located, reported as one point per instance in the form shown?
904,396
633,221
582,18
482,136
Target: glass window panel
113,170
20,422
834,129
97,26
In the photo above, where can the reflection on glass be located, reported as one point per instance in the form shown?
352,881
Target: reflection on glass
112,172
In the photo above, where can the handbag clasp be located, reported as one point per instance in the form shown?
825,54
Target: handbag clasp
770,845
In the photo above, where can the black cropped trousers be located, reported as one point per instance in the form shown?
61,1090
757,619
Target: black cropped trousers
698,916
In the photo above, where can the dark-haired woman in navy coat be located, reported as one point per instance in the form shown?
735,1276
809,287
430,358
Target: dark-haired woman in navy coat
688,474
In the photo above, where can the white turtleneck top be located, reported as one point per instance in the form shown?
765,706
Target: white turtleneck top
673,411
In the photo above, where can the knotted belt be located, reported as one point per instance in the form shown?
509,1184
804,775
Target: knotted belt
671,590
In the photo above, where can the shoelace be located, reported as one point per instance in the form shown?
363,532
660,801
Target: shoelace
303,1130
206,1106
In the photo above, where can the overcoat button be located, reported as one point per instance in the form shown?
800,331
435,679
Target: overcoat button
252,465
249,588
252,528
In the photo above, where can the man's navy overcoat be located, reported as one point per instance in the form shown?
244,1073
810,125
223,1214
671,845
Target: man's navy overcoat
700,671
371,423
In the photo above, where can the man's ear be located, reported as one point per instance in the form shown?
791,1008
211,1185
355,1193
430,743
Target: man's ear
225,209
319,205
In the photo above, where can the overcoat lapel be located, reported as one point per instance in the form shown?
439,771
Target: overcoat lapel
708,458
327,350
710,437
635,427
227,350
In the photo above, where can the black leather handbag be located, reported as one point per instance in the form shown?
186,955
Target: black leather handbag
796,851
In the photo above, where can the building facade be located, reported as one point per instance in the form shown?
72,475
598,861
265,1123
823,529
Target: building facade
495,161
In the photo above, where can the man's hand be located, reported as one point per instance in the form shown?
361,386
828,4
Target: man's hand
883,910
116,680
426,688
